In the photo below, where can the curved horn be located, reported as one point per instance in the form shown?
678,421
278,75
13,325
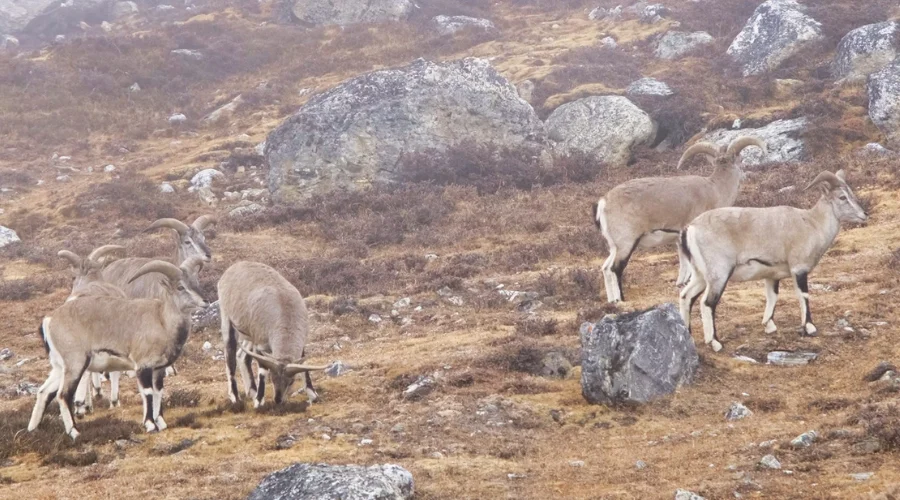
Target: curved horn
265,361
293,369
193,266
101,252
699,148
158,266
203,222
738,145
72,257
175,224
827,177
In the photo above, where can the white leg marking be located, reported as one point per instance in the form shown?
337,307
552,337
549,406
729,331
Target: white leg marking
114,389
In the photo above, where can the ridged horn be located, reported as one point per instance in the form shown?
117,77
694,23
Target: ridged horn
827,177
158,266
72,257
266,362
193,266
699,148
203,222
738,145
101,252
293,369
175,224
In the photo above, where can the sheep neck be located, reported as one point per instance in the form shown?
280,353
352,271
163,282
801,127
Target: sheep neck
727,181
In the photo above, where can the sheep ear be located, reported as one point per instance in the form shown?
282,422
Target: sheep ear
840,174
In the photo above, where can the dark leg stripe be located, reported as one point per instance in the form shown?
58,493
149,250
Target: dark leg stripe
261,390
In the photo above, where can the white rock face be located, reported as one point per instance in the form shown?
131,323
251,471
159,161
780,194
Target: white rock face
8,42
607,128
675,44
649,86
124,9
166,188
865,50
777,30
16,14
781,136
325,12
449,25
224,111
7,236
884,101
177,118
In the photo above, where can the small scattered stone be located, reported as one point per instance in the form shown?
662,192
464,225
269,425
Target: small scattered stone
737,411
106,26
770,462
403,303
421,387
374,318
109,168
746,359
437,455
512,476
430,257
8,236
609,42
687,495
768,444
366,442
207,346
576,463
27,389
63,178
336,369
177,119
251,209
285,442
785,358
862,476
5,354
397,429
456,301
805,440
640,465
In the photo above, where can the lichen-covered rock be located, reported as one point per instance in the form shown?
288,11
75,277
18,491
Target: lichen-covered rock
654,13
606,127
346,482
122,10
636,357
8,42
649,86
782,140
884,100
7,236
357,132
865,50
777,30
16,14
449,25
675,44
345,12
47,18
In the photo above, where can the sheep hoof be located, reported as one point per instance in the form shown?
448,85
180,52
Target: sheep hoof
258,404
770,327
311,394
74,434
114,404
161,424
716,345
810,330
150,426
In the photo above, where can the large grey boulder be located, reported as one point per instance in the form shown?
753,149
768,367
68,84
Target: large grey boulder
7,236
781,136
884,100
357,132
47,18
345,12
675,44
636,357
777,30
605,127
865,50
346,482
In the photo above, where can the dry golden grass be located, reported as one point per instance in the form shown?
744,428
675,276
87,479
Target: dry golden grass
488,417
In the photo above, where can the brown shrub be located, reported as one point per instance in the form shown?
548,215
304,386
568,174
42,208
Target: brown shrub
536,327
26,288
881,422
185,398
131,195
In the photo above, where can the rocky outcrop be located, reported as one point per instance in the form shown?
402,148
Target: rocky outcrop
48,18
865,50
675,44
636,357
884,101
607,128
8,236
357,132
347,482
782,140
449,25
345,12
777,30
16,14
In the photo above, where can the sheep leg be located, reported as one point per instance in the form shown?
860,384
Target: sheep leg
229,336
802,286
45,394
612,289
145,386
84,401
260,396
68,386
689,295
245,365
114,388
684,268
618,268
158,377
711,297
771,298
310,390
96,382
